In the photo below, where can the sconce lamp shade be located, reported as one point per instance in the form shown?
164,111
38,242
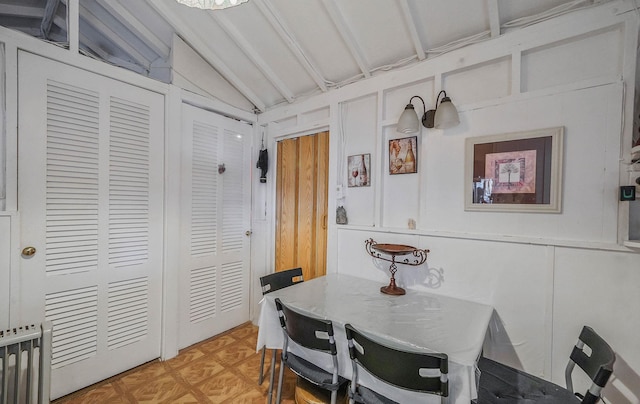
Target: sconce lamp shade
446,115
408,122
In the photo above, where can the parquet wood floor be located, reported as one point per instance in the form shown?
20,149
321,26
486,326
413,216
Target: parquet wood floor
222,369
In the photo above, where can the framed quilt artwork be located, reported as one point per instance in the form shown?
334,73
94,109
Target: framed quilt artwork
519,172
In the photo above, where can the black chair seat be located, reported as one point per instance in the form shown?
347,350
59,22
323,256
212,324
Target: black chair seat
502,384
365,395
312,373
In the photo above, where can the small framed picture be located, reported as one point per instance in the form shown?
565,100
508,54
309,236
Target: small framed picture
403,155
359,170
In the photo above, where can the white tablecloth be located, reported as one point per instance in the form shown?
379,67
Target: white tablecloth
418,320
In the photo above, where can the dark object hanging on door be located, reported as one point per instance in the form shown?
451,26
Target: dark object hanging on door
263,163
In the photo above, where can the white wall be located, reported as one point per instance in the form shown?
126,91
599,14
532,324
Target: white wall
5,274
3,135
546,274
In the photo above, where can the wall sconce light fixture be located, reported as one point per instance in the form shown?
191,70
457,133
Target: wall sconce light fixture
442,117
408,122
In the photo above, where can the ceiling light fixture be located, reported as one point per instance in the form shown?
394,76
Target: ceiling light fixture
442,117
211,4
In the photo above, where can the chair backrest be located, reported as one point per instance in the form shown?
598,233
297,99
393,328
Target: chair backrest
309,332
280,280
424,372
598,365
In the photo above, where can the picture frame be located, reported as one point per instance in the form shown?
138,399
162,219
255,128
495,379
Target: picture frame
403,155
515,172
359,166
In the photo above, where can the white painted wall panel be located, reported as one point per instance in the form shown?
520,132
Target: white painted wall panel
397,98
596,55
590,165
601,289
360,128
318,115
486,81
400,200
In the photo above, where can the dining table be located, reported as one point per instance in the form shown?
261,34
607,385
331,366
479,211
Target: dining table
418,321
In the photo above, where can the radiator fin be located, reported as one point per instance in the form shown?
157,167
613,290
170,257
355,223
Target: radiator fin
74,314
72,179
232,199
231,288
204,190
202,304
127,312
128,183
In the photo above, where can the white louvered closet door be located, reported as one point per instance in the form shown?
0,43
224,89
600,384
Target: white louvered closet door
214,289
91,204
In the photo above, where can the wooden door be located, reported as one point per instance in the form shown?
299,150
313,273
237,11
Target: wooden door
90,191
216,208
301,204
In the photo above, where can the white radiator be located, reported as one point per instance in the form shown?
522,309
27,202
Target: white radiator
25,364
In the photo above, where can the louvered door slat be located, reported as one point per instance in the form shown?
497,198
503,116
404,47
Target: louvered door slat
128,310
232,219
202,301
204,173
128,183
74,315
232,287
72,177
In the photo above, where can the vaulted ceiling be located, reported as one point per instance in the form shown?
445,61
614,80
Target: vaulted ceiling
267,53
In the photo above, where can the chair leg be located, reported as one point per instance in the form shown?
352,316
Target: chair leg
261,377
334,396
280,377
272,374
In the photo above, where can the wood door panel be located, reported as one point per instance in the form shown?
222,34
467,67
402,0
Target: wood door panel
286,227
301,205
322,181
306,206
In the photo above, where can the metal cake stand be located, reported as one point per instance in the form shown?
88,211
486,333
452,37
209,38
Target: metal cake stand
381,251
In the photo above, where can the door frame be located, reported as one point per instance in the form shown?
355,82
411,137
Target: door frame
272,194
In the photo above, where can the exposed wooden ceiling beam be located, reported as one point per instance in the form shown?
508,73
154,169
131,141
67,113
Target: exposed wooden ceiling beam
411,26
90,45
73,25
134,25
194,39
494,18
248,49
21,11
278,24
346,35
114,37
31,12
50,10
